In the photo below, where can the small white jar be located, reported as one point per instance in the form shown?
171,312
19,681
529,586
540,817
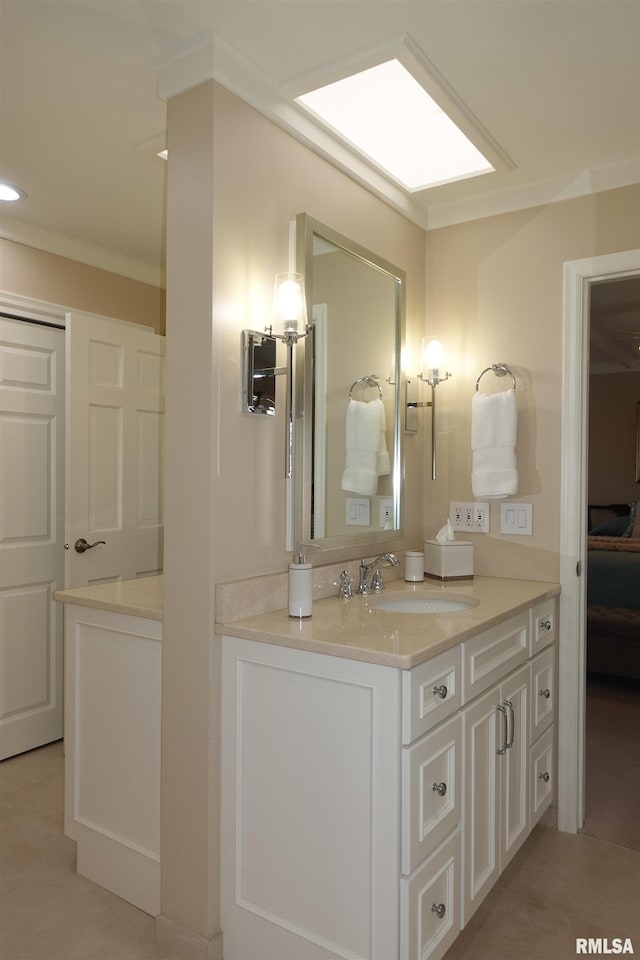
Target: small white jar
413,566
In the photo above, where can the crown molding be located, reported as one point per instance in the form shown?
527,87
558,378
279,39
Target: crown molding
623,174
71,249
212,58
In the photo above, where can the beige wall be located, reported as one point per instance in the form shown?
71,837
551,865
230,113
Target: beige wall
495,294
225,469
613,436
27,272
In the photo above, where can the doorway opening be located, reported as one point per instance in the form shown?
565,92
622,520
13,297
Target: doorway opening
579,278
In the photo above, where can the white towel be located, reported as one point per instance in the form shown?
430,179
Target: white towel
365,447
494,418
383,461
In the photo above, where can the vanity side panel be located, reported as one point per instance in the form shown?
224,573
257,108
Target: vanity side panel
310,805
113,666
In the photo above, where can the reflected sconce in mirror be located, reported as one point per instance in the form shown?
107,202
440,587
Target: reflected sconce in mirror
432,362
288,324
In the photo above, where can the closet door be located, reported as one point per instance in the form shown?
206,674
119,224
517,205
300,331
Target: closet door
31,534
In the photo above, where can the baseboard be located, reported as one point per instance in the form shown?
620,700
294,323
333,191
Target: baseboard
186,943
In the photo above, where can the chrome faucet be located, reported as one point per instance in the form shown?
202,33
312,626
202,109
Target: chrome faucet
377,584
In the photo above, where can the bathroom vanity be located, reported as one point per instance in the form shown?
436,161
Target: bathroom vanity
113,663
381,768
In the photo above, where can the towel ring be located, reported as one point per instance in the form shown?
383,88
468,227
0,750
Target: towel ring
500,370
371,381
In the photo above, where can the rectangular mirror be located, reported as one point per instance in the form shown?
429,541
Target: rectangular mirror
348,490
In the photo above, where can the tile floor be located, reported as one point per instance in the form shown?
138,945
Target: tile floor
47,911
557,888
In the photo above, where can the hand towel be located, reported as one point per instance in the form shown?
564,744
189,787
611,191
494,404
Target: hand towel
383,461
494,418
363,443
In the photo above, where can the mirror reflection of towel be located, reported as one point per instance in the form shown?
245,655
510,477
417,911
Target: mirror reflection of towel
366,447
494,418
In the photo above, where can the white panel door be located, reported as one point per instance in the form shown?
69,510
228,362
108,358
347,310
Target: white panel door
115,450
31,534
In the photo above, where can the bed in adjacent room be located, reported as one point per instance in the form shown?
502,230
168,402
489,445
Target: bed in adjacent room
613,591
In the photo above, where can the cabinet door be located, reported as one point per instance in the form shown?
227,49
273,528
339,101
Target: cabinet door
483,733
514,764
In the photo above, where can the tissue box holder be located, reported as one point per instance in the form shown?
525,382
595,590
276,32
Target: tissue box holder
450,560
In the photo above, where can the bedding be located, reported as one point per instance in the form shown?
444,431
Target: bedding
613,596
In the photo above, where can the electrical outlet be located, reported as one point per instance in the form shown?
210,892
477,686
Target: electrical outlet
473,516
385,506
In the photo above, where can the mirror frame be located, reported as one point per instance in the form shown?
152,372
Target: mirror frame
372,540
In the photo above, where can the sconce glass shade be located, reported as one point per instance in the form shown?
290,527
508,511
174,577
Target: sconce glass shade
432,354
289,314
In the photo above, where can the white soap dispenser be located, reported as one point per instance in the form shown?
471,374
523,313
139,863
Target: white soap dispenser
300,586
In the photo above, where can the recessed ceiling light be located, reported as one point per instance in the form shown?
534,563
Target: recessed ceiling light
10,193
388,116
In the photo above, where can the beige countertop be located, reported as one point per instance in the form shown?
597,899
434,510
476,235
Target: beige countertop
356,630
139,598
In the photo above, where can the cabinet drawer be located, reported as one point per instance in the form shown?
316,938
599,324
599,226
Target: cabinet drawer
431,692
544,624
431,791
543,775
543,691
433,887
493,654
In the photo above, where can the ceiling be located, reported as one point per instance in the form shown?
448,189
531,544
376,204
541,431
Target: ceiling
555,84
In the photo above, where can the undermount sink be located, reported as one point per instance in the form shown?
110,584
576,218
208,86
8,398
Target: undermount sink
415,604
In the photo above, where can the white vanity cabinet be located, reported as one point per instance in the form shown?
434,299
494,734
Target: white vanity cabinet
368,809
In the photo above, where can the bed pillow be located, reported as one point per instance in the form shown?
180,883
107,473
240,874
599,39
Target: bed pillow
616,527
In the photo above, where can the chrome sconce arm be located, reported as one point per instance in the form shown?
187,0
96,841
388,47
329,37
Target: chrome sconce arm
259,370
433,355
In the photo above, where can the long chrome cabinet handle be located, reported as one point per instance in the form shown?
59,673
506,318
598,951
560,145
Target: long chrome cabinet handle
502,748
511,714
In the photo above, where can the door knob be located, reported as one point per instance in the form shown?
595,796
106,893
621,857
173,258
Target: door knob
81,545
439,909
439,788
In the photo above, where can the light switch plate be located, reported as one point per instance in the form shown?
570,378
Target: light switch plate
516,519
358,511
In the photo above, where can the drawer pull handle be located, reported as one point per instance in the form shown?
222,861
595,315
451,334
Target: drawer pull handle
545,693
439,788
543,776
440,691
502,748
545,624
511,714
439,909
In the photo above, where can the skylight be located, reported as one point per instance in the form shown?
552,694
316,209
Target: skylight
387,115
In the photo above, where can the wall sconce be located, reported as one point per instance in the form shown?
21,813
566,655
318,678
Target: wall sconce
288,324
432,362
